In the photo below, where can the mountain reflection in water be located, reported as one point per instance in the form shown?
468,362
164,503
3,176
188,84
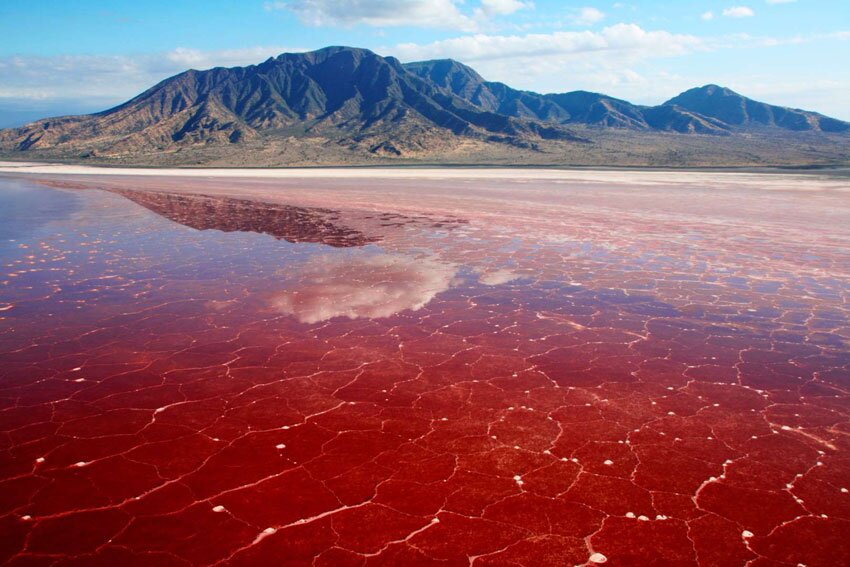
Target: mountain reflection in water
290,223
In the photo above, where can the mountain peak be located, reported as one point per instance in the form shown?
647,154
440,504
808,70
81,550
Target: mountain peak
444,68
726,105
710,90
450,75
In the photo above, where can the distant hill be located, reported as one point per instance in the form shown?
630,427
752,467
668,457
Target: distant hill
742,113
342,104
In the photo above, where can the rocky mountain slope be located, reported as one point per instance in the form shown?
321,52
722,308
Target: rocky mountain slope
741,112
345,105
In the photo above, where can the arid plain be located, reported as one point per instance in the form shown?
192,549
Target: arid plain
423,367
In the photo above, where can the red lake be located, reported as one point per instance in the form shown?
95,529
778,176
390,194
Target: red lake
456,368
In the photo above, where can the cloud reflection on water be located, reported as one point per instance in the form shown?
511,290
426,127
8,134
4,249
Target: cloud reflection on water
369,286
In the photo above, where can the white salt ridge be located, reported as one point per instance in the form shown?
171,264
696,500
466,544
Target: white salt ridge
39,460
597,558
80,464
630,514
280,446
608,462
746,534
218,508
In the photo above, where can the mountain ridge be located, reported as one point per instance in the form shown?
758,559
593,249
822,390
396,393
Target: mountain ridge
354,102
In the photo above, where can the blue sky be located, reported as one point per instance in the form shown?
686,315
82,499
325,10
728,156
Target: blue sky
80,55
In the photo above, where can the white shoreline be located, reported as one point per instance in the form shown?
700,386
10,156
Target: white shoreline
775,181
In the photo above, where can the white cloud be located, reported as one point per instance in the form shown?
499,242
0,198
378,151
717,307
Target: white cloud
780,1
625,39
739,12
707,16
382,13
587,16
502,7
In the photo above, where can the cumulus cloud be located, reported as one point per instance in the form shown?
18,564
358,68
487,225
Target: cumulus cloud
384,13
363,286
739,12
707,16
587,16
502,7
625,39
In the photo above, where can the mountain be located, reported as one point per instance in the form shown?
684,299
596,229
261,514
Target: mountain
348,105
352,96
705,110
741,112
458,79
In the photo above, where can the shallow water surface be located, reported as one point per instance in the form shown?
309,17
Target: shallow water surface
497,374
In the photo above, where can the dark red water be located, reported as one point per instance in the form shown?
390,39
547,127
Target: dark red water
575,377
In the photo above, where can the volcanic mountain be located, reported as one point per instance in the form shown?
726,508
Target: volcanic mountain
349,105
